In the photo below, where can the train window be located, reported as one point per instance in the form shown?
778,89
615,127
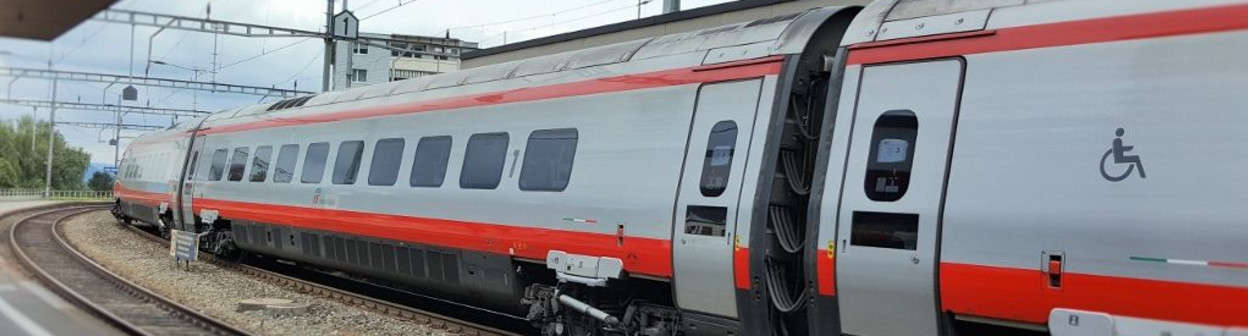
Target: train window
483,161
706,220
285,170
260,163
347,163
190,175
218,164
429,166
717,165
548,160
891,156
885,230
238,163
387,154
314,163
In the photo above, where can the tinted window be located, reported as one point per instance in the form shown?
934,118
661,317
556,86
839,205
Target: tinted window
717,165
260,163
483,161
238,163
314,163
218,164
548,160
347,163
285,170
892,153
885,230
190,175
429,166
387,155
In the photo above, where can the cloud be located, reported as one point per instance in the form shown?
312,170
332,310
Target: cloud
102,47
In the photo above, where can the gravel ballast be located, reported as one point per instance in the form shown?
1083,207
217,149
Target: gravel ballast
217,291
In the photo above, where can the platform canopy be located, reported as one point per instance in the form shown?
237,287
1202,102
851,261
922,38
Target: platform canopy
45,19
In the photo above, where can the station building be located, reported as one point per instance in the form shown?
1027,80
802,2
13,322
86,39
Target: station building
409,56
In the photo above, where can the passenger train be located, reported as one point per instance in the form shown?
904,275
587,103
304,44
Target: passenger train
911,167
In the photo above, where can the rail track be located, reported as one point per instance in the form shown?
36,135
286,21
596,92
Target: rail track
37,242
371,302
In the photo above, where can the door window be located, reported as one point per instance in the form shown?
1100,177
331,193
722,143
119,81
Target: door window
717,165
891,156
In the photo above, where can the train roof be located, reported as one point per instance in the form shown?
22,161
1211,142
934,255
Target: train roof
779,35
889,20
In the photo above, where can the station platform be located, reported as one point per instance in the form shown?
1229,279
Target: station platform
26,307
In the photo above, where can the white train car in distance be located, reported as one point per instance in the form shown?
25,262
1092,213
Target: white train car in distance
914,167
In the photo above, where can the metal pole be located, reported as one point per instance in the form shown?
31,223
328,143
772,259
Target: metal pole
326,73
117,137
47,186
34,128
352,45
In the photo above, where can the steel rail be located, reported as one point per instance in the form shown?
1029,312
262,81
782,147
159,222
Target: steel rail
44,265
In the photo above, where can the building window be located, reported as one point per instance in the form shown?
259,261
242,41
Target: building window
387,155
548,160
285,170
347,163
359,48
314,163
218,164
717,165
359,75
429,166
483,161
260,163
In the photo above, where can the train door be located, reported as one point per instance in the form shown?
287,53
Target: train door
709,196
892,198
185,195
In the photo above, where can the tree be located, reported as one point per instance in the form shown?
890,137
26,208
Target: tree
101,181
22,162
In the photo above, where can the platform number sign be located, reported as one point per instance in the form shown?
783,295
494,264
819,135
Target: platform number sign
346,25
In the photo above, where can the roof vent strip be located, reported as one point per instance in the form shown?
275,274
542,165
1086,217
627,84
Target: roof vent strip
289,103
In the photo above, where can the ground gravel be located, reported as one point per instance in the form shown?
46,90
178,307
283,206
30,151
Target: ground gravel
217,291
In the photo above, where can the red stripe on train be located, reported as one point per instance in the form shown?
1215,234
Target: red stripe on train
825,268
1111,29
1024,295
741,267
640,255
702,74
139,196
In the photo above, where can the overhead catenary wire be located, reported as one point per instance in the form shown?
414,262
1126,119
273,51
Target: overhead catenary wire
630,6
527,18
264,53
401,4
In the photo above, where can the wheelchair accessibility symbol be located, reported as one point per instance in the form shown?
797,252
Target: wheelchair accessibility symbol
1119,152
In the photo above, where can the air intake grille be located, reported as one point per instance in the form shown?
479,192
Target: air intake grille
289,103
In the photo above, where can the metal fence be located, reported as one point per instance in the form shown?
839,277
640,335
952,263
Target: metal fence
23,194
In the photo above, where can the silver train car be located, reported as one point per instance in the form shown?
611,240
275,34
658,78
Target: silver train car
912,167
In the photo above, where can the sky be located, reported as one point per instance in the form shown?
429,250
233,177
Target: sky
270,62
